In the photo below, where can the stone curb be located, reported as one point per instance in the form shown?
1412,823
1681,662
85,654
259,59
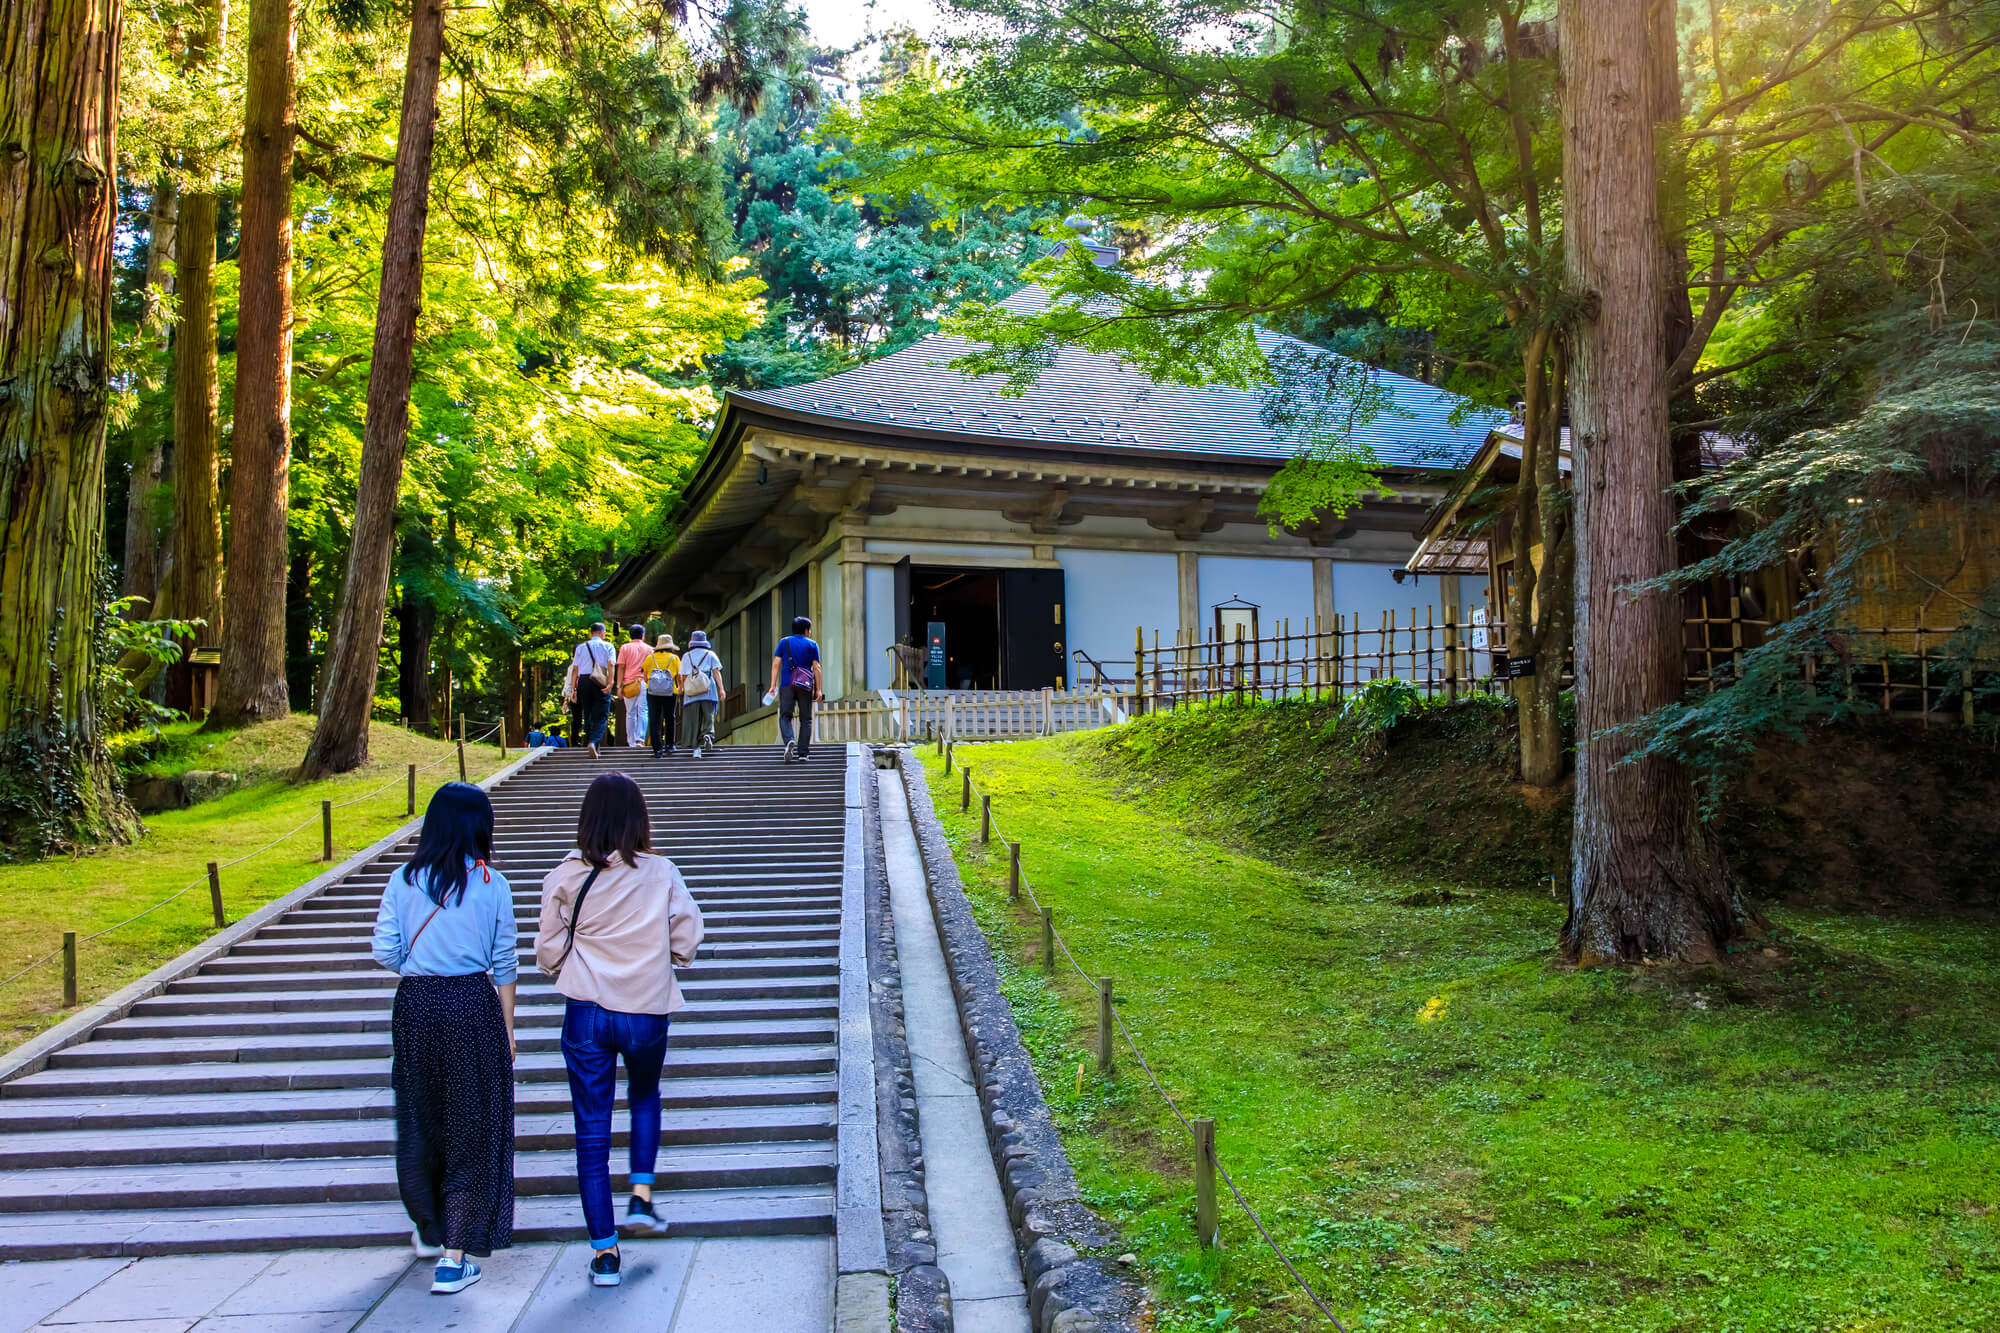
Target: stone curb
923,1292
33,1055
1070,1290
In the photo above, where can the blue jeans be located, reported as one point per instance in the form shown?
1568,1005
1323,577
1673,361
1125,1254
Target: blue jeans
592,1041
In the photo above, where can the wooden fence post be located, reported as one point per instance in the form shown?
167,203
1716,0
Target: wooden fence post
985,819
946,747
412,809
461,749
69,969
965,790
1104,1023
1049,940
326,830
1139,668
1014,870
215,894
1206,1224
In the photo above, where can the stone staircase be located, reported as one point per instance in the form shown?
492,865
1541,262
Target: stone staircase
248,1106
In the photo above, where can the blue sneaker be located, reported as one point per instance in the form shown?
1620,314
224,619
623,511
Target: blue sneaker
604,1269
451,1277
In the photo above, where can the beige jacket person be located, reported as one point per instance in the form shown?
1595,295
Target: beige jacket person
634,920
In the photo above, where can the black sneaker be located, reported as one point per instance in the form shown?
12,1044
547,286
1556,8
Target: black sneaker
604,1269
641,1220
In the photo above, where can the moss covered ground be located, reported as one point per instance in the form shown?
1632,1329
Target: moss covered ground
40,900
1446,1129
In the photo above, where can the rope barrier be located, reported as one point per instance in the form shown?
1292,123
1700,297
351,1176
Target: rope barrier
259,851
1132,1043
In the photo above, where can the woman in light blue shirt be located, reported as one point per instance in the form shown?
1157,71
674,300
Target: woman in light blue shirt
447,926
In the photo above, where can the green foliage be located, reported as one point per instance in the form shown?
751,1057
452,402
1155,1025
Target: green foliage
1382,703
851,275
125,650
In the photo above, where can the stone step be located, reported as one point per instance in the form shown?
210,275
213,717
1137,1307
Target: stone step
29,1115
111,1051
154,1025
301,977
534,1131
371,993
262,1076
249,959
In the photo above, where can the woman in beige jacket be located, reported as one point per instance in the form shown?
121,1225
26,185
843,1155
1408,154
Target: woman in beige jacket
616,919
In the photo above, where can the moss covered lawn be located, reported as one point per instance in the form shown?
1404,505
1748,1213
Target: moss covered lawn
1449,1131
42,899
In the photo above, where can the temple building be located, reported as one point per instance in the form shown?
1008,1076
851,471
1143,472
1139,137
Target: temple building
1019,539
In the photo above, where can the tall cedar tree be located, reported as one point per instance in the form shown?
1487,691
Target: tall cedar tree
1648,879
340,739
58,112
140,575
253,633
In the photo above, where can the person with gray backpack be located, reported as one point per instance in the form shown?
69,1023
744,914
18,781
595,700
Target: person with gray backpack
701,691
663,669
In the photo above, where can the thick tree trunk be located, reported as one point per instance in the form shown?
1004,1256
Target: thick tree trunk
416,621
513,727
1540,601
253,644
340,741
1648,879
58,110
145,539
195,575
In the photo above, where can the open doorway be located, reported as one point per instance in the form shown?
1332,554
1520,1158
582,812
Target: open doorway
955,613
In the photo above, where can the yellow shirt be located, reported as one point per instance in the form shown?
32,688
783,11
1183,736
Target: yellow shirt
663,660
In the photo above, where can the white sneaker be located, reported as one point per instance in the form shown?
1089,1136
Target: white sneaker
421,1250
791,752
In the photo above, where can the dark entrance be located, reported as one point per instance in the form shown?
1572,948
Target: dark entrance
1002,628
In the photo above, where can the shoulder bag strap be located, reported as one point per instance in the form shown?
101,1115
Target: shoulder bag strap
575,911
412,949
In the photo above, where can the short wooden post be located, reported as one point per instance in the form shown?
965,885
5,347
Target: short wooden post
69,969
946,747
986,819
461,728
461,749
412,807
1049,940
326,830
1139,668
965,790
1104,1024
1207,1225
215,894
1013,870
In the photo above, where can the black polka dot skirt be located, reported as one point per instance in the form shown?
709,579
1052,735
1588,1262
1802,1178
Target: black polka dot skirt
454,1112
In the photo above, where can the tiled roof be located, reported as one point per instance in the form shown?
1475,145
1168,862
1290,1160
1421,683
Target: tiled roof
1098,400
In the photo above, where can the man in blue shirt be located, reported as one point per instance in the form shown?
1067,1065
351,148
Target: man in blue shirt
795,680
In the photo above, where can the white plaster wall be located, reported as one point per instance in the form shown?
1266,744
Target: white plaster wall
1361,593
1279,587
832,632
881,628
1107,594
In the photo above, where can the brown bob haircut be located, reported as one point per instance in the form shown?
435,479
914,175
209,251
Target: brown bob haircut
613,822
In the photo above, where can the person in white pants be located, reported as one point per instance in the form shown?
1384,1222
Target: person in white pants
631,684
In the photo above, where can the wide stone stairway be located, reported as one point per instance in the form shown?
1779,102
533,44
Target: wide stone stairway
248,1106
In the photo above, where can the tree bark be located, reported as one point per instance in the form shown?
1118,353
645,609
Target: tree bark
196,571
58,113
416,621
1540,601
340,740
252,687
145,542
511,707
1648,879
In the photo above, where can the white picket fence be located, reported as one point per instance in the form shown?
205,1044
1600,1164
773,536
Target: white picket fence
893,715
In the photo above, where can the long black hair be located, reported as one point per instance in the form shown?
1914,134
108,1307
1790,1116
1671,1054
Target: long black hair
458,829
613,822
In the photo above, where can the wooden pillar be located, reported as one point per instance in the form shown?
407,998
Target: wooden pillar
1323,613
853,619
1190,593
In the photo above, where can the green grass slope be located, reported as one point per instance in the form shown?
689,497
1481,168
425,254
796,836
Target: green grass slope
1445,1129
40,900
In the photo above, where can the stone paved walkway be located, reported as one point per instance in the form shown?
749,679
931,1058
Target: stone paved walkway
781,1284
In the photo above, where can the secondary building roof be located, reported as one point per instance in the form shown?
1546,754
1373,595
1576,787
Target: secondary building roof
1098,401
